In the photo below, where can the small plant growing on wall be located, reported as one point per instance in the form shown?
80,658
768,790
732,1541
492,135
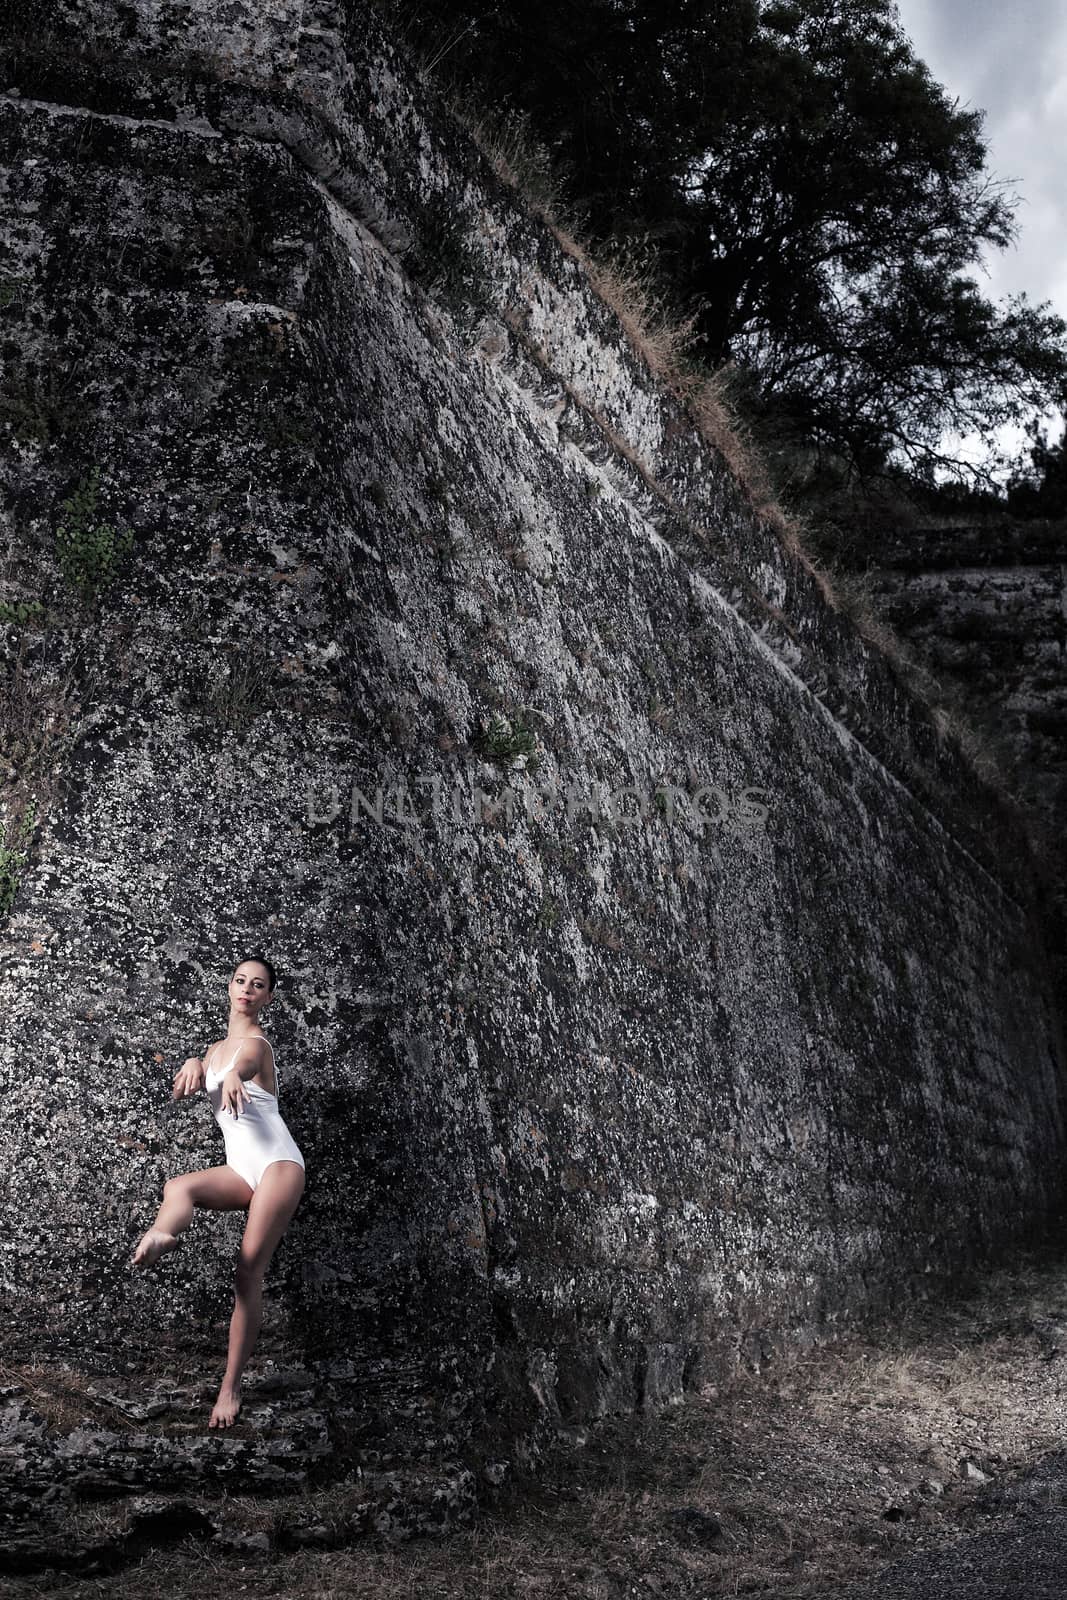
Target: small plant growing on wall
13,291
447,257
233,689
38,407
504,740
548,913
13,856
89,551
20,611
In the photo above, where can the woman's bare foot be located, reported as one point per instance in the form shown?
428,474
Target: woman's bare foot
154,1244
227,1406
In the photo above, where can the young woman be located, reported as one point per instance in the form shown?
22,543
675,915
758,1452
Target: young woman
264,1171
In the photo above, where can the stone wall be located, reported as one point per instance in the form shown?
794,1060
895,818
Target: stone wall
986,605
593,1108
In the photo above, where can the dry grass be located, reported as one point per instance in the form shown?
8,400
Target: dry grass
644,313
818,1471
60,1398
663,340
986,754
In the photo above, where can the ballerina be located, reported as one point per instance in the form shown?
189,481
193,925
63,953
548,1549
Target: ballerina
263,1174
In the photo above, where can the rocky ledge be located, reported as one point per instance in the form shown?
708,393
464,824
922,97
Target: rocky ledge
97,1462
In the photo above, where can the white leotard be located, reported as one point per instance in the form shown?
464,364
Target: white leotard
257,1135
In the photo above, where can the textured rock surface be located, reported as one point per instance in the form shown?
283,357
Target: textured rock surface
96,1463
987,605
593,1108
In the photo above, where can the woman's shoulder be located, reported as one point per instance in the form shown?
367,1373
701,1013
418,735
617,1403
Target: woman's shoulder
218,1045
255,1044
265,1061
249,1038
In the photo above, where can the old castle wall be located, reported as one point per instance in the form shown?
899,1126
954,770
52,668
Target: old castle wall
592,1109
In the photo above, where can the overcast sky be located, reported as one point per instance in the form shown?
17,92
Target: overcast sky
1008,58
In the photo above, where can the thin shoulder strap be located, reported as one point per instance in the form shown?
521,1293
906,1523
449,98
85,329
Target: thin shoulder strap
212,1050
237,1052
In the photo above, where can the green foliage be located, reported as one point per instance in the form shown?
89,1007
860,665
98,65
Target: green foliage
446,258
548,912
13,291
38,407
13,857
20,611
504,740
89,552
237,688
808,190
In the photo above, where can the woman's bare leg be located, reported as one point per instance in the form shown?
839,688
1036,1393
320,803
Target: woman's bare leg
269,1214
216,1188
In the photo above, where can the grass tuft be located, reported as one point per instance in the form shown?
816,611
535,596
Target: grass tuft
628,284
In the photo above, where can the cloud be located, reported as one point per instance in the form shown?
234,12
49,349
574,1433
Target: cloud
991,50
1010,61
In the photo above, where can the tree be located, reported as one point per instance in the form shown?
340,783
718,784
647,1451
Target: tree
813,195
1041,491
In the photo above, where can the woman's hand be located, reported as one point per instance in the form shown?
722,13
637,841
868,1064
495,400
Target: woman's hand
188,1078
234,1094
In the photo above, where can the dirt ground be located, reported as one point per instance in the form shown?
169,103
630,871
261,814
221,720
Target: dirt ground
790,1482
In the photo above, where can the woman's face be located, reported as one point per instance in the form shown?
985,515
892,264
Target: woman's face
249,990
